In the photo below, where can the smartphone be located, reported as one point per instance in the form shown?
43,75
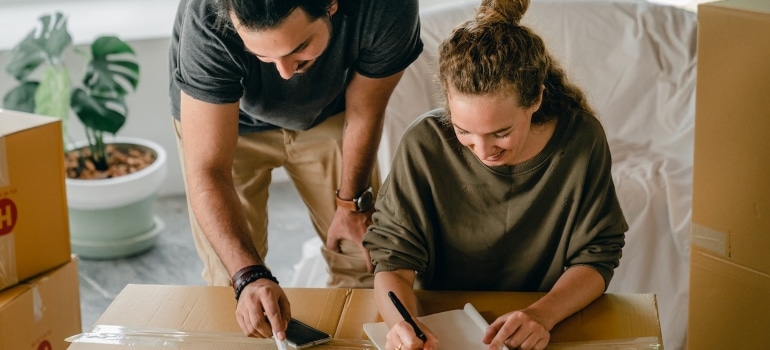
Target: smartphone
300,335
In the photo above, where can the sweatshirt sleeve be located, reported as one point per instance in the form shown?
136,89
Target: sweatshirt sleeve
599,232
400,236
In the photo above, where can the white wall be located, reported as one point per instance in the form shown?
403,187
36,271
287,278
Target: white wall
145,24
149,112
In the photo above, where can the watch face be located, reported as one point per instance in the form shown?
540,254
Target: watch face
366,201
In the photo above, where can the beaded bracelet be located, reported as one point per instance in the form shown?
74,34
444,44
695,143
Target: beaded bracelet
250,274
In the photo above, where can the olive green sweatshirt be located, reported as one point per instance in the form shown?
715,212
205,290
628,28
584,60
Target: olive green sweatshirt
462,225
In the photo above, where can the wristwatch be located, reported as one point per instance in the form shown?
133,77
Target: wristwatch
362,203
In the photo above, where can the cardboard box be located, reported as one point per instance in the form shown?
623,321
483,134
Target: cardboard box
40,313
157,317
630,319
149,315
729,305
730,269
34,226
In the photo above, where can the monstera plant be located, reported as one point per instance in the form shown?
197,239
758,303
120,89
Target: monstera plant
112,181
44,85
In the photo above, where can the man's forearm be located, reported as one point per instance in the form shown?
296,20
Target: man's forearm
366,99
218,210
361,139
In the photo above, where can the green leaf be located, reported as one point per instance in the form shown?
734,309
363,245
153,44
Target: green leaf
40,46
113,69
53,95
22,97
104,114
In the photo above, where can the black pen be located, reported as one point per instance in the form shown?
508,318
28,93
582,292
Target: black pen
405,314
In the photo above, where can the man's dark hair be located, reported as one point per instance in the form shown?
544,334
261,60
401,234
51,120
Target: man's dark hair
265,14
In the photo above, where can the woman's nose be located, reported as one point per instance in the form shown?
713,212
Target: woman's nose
482,148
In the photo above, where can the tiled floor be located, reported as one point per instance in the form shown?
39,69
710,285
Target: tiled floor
174,260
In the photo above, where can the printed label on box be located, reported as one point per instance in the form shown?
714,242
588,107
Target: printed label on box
8,216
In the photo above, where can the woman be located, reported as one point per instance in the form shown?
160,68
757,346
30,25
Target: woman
507,188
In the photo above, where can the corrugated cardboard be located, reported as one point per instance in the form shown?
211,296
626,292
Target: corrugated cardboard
611,317
40,313
731,191
34,226
730,268
206,314
157,317
730,305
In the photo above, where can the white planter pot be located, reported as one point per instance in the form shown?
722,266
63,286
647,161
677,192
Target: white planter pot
113,218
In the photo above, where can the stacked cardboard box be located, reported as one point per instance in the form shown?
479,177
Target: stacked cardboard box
39,299
40,313
730,266
197,317
34,228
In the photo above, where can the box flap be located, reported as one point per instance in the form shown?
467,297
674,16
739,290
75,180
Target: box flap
611,317
13,121
9,295
198,312
207,313
318,307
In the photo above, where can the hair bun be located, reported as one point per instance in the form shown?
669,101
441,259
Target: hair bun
510,11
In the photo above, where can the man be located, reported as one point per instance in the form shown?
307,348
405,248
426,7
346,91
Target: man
261,84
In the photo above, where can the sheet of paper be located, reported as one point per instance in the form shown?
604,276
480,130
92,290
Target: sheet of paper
456,329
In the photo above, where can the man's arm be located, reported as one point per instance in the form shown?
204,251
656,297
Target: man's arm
364,116
209,137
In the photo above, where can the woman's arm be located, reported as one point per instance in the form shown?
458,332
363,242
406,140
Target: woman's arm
530,327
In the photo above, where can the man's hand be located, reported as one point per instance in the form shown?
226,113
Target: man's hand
263,310
350,226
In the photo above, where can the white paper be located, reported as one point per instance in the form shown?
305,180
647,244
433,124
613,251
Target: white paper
456,329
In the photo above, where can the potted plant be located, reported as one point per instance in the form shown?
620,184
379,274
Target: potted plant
112,181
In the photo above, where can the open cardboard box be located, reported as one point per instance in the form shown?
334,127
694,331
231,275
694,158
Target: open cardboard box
198,317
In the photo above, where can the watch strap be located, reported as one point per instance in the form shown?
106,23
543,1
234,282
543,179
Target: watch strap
349,204
361,203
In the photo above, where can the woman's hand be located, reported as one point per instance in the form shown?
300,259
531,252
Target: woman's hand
402,337
521,329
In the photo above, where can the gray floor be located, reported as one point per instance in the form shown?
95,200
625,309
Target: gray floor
174,261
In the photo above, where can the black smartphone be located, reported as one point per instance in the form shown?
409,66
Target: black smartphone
300,335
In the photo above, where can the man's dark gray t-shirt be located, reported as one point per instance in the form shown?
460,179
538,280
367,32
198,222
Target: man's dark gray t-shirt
376,38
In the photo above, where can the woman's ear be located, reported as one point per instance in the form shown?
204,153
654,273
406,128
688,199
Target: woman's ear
333,7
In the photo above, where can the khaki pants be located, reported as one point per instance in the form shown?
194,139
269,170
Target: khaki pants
313,161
